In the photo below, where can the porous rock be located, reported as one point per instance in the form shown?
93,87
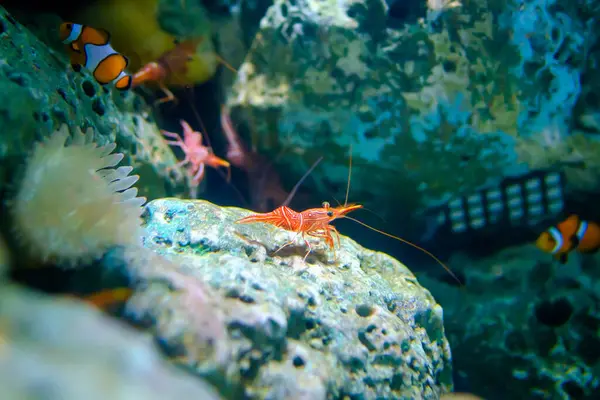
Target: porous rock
61,349
262,323
524,327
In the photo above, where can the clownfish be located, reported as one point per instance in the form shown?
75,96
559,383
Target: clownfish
90,47
568,235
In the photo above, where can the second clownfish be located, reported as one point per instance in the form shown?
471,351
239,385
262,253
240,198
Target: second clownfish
90,47
568,235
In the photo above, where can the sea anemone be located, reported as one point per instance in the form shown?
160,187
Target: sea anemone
72,205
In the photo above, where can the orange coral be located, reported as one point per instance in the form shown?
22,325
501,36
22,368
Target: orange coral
72,205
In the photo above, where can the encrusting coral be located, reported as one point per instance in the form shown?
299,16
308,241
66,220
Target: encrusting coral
72,205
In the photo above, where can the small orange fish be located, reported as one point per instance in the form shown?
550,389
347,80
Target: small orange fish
105,300
568,235
90,47
109,297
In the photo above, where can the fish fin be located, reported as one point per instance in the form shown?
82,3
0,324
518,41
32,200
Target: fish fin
571,223
562,258
574,240
104,33
574,218
124,83
590,251
74,46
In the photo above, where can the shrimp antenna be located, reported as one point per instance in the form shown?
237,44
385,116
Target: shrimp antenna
374,213
225,63
205,136
306,174
410,244
348,188
349,176
198,118
205,131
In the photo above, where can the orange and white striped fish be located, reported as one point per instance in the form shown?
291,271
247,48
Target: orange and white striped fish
90,47
571,234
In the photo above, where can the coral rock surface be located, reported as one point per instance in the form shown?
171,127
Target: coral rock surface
265,324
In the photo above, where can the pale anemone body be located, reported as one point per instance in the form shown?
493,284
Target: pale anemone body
72,205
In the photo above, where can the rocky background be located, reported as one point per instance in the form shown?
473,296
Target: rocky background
490,89
239,318
435,99
526,327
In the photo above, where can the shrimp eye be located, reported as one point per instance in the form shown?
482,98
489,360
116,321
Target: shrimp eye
330,213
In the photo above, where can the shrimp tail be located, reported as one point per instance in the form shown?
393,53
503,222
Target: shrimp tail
266,218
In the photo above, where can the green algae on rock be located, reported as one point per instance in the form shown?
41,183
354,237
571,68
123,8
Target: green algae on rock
63,349
45,92
264,324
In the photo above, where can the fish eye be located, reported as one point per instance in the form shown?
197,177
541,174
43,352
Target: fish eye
69,26
330,213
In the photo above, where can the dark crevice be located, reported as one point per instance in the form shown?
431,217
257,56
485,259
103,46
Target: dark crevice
554,313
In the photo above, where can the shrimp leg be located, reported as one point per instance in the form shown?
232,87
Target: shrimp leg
173,143
337,234
172,135
287,243
307,245
199,175
324,234
169,96
180,163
